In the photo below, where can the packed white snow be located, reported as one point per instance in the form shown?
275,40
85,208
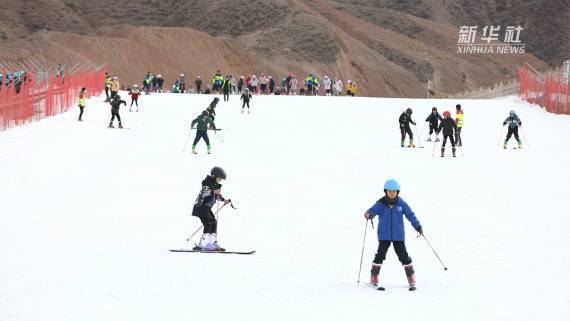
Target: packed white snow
88,214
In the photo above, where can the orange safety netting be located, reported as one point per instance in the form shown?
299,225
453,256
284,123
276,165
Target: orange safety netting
549,91
48,97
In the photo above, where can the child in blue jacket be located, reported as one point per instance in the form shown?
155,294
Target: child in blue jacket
391,210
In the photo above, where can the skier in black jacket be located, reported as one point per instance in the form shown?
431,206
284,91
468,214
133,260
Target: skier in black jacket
227,88
115,104
246,97
434,118
514,123
212,108
209,194
405,120
449,130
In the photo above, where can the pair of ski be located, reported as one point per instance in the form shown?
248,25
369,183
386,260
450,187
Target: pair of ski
381,288
212,252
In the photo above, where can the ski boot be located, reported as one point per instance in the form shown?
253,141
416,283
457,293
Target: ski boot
120,125
130,110
209,149
242,110
429,139
248,111
374,272
137,110
437,139
411,144
505,145
111,125
411,277
443,152
453,151
520,144
402,144
194,149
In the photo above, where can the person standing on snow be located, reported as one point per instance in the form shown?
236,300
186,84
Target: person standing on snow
227,88
327,83
115,86
246,97
82,102
204,122
134,93
449,130
459,123
391,209
108,81
514,123
115,104
210,193
434,118
198,83
405,120
240,84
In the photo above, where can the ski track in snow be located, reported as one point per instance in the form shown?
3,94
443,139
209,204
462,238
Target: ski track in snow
89,213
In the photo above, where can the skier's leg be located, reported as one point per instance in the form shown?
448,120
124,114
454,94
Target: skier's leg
509,134
400,248
403,135
452,141
443,144
80,112
458,140
516,133
409,131
378,259
196,140
207,140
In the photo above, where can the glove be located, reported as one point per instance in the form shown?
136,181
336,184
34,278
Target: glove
367,215
420,231
227,201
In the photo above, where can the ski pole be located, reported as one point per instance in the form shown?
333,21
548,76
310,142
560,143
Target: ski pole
187,140
198,229
419,138
434,252
524,137
500,136
219,137
362,254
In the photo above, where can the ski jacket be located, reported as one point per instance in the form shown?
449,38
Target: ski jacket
227,85
203,122
327,83
448,125
115,86
434,118
391,219
459,118
134,93
245,97
116,103
82,100
206,197
512,121
405,120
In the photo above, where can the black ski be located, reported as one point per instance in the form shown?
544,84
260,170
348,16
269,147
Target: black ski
214,252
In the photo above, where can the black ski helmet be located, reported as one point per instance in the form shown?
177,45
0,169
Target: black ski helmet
218,172
205,113
458,106
409,111
117,97
216,99
434,109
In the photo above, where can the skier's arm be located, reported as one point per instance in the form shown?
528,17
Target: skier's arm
429,117
411,217
212,123
194,122
505,122
401,120
373,211
439,117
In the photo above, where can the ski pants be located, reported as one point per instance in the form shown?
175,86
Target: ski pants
115,113
399,247
113,93
226,95
451,140
81,111
458,136
207,218
245,102
135,101
511,132
107,92
433,128
201,134
405,129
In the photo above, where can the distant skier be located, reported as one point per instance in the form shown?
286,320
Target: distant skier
240,84
459,122
449,130
227,88
115,86
212,108
82,102
514,123
405,120
391,209
198,83
434,118
108,81
203,123
115,104
246,97
209,194
134,93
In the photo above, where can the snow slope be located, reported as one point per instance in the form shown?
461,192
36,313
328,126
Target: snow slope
88,214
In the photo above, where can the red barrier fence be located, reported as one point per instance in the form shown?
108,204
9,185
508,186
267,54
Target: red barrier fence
549,91
39,99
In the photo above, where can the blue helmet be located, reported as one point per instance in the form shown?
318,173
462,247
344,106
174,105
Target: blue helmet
392,185
512,112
